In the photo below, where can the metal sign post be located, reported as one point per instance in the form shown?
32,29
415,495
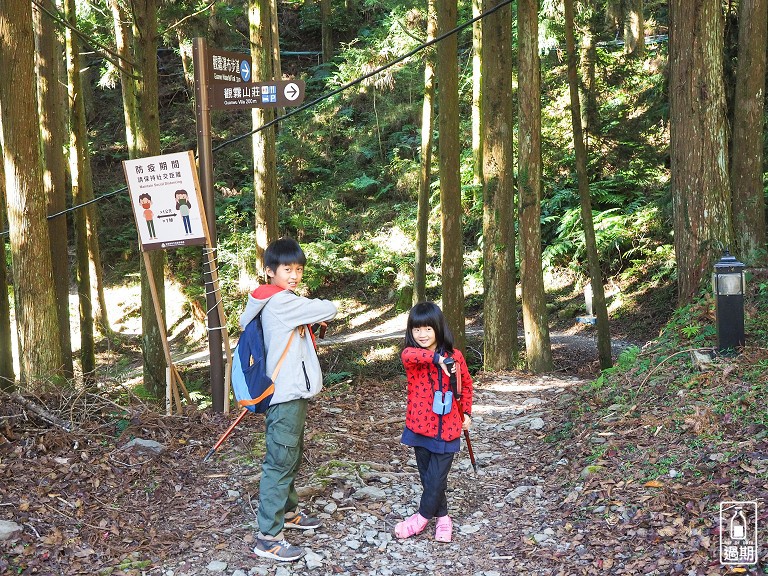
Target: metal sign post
223,81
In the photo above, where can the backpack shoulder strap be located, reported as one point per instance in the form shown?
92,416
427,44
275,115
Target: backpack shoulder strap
282,357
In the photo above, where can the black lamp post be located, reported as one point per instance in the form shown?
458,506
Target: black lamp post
728,286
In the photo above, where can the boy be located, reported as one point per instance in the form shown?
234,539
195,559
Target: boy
285,316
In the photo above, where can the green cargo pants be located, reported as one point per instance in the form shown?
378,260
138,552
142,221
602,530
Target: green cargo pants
285,447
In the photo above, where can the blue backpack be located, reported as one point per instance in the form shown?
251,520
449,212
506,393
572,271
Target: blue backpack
252,386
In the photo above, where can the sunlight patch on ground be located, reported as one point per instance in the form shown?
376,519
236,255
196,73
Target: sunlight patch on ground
381,354
526,385
123,303
368,316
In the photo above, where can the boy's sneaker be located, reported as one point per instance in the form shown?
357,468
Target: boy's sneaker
279,550
301,521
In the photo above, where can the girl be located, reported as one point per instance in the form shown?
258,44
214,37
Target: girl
433,422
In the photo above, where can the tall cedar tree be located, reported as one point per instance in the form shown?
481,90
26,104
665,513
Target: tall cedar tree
148,144
425,176
450,182
35,296
748,129
477,88
82,192
52,106
264,154
634,27
595,274
538,350
7,375
701,199
497,104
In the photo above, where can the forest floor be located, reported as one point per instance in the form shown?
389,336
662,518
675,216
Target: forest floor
567,482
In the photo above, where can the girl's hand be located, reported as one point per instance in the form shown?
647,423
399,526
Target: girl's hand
467,422
441,363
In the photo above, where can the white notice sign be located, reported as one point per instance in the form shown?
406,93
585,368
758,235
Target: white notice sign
166,200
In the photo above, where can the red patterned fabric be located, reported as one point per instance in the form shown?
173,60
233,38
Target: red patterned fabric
422,373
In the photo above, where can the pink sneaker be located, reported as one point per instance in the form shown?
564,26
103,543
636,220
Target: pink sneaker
411,526
444,530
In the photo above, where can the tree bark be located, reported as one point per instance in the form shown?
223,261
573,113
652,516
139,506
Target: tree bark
7,374
450,181
35,296
701,198
425,178
477,87
123,43
634,28
499,306
595,274
52,106
587,85
326,31
746,177
264,154
538,349
148,144
81,185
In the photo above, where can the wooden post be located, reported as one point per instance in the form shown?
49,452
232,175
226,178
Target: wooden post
212,268
170,384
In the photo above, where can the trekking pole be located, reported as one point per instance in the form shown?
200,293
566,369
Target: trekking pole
455,381
224,436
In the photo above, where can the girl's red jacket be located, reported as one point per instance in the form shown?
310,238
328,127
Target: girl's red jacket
423,379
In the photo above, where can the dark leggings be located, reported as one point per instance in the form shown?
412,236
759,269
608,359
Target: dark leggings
433,470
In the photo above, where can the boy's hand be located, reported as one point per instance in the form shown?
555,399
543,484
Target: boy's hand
467,422
319,328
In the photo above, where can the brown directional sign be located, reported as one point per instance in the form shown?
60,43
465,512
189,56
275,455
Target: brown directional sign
228,67
266,94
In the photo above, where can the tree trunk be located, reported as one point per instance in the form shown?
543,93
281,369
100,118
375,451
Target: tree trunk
79,136
748,128
634,28
588,58
52,105
538,350
450,181
595,274
277,65
701,199
35,296
7,375
326,31
78,157
477,87
499,306
264,154
123,42
425,179
148,144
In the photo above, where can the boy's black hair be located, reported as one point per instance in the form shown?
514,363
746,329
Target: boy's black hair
145,195
429,314
283,251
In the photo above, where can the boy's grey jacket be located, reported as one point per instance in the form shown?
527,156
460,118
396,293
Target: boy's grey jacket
282,313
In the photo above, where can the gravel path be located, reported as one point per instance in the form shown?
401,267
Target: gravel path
365,482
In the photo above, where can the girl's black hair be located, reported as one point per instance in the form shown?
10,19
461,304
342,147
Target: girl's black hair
429,314
283,251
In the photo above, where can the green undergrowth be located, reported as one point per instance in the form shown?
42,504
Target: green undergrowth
678,413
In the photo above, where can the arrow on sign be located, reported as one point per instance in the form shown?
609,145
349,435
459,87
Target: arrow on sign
291,91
